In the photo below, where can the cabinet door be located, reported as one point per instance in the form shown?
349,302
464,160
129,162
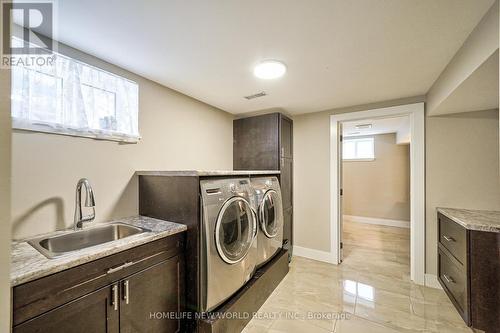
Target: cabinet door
286,182
255,143
97,312
288,228
286,137
151,300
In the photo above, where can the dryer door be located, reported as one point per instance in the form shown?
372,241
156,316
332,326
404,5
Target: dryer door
269,214
235,230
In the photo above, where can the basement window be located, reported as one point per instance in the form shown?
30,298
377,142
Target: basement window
362,149
70,97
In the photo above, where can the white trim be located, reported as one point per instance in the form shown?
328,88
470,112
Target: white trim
335,181
23,125
305,252
378,221
431,281
358,159
417,180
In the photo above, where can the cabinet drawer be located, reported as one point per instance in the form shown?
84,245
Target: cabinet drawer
454,279
453,237
36,297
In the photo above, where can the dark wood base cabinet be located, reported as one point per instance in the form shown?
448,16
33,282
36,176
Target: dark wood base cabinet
134,291
91,313
469,272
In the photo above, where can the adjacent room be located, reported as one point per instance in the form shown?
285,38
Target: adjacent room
214,166
376,195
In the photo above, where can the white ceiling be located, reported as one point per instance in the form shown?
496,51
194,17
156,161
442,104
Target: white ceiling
338,53
379,126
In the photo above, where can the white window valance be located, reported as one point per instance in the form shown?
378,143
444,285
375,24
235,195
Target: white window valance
73,98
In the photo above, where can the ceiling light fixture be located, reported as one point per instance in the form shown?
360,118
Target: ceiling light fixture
269,69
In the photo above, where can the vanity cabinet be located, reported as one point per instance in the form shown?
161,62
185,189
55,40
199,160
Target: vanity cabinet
91,313
469,272
137,290
149,297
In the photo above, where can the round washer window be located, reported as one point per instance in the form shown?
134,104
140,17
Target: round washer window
269,214
235,230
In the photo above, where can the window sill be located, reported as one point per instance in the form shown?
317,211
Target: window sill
41,128
359,160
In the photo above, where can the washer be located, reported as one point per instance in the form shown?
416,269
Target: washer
228,239
267,203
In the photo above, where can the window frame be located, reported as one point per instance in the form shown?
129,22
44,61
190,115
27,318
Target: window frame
26,124
356,140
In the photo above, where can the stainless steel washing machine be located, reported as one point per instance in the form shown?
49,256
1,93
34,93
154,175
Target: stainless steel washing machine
266,201
228,239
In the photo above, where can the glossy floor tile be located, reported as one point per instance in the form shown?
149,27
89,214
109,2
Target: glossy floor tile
370,291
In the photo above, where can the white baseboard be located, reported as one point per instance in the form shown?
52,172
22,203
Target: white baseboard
379,221
431,281
313,254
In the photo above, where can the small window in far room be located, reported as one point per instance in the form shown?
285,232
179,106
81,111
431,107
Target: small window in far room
362,149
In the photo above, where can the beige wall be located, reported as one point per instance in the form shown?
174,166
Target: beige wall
311,181
177,131
5,137
461,168
379,188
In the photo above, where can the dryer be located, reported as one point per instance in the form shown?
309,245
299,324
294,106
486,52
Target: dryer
266,201
228,239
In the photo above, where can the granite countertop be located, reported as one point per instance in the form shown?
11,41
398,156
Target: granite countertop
209,173
480,220
28,264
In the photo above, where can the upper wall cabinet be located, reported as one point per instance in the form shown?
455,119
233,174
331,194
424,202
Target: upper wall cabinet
256,143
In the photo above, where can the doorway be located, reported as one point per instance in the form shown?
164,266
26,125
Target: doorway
415,116
375,200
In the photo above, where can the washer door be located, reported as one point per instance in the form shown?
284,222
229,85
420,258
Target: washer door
269,214
235,230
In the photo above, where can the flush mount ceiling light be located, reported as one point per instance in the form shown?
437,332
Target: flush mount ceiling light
269,69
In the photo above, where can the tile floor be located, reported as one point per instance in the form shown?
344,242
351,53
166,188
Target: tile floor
369,292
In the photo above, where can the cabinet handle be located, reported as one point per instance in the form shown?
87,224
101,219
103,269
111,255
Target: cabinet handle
448,238
448,279
114,297
118,268
126,291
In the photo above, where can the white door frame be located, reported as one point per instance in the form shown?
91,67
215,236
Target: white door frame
417,181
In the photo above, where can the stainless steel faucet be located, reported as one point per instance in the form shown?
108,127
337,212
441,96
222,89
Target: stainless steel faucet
89,202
